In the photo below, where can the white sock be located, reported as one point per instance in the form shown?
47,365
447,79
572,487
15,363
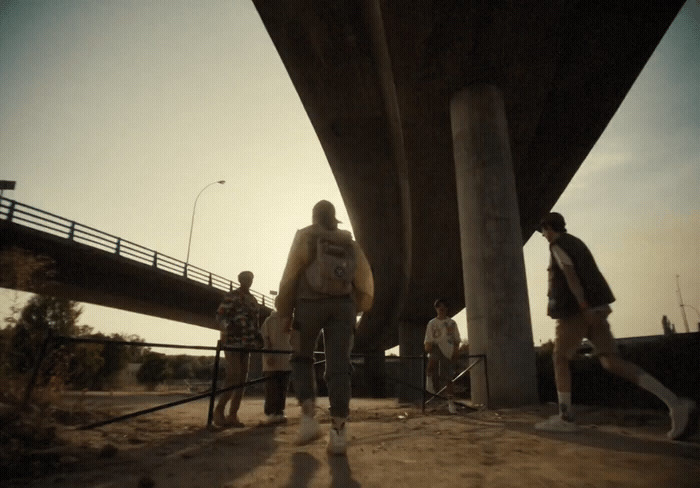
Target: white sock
565,405
652,385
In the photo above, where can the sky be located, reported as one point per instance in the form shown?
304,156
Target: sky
117,114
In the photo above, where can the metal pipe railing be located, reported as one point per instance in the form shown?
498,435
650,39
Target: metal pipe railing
40,220
52,340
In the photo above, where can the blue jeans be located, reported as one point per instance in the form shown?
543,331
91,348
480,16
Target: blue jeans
336,318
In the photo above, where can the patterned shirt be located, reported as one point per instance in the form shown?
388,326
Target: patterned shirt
238,317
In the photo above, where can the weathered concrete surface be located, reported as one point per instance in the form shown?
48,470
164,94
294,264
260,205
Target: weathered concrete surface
563,68
495,286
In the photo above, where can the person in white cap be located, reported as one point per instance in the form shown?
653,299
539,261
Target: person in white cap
327,280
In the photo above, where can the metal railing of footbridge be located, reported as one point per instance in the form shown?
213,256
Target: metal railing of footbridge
40,220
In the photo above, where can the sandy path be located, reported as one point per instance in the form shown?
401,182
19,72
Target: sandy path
390,446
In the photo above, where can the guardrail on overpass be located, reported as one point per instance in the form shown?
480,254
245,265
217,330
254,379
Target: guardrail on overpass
34,218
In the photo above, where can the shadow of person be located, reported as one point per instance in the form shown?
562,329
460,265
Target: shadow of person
303,467
341,476
616,441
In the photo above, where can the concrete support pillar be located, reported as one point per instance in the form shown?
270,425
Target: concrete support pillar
411,367
495,287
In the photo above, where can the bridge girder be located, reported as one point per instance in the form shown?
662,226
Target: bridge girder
563,69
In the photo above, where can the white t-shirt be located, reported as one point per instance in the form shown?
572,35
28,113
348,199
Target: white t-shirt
561,257
444,333
277,339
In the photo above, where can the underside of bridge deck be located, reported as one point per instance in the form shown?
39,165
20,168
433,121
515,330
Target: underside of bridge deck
376,79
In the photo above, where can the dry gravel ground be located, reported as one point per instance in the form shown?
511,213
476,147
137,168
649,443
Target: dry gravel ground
391,445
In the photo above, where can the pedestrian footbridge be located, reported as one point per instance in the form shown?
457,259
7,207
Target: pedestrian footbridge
41,252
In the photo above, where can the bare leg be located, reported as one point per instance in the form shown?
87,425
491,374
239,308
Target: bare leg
618,366
633,373
224,397
681,410
562,379
436,381
562,373
240,376
450,389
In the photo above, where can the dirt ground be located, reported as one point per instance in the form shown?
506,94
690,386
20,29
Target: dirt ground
391,445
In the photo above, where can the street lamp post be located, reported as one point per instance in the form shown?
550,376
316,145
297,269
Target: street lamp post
189,242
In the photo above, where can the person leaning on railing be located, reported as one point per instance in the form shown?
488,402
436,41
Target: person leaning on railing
238,317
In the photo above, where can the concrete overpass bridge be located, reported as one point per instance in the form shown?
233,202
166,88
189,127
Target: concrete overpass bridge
451,127
44,253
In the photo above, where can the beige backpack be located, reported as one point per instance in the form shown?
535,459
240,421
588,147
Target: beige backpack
333,268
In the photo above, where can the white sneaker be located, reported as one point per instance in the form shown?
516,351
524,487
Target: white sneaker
681,419
308,429
557,424
337,442
451,407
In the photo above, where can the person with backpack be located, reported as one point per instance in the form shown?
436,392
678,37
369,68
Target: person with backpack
327,280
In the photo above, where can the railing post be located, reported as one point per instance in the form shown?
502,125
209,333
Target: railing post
486,374
422,370
71,230
215,378
10,210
